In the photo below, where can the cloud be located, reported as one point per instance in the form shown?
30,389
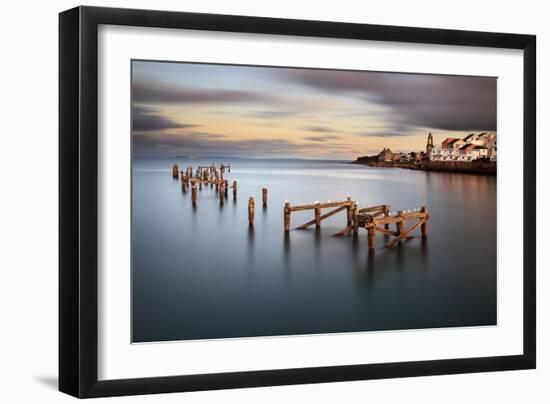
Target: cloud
147,119
397,130
324,138
149,144
432,101
320,129
153,92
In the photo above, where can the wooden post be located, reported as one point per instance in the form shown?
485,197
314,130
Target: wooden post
175,171
424,226
349,211
234,189
264,196
355,220
399,224
317,216
287,216
184,187
200,185
194,195
251,211
386,213
221,192
371,236
225,188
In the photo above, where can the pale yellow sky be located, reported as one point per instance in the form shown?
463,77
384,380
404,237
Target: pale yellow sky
196,109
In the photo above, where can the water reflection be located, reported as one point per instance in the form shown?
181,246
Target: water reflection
268,282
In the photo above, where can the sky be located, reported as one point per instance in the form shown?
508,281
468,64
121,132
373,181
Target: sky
200,110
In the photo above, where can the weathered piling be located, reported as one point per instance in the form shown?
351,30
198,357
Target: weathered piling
371,234
424,226
355,218
175,171
287,216
251,211
225,188
264,196
221,192
399,223
386,213
349,211
317,215
234,189
194,194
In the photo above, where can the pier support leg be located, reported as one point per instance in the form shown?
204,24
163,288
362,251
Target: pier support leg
225,188
349,211
221,193
317,216
355,220
234,190
386,213
424,226
175,171
264,196
371,237
194,195
399,223
251,211
287,216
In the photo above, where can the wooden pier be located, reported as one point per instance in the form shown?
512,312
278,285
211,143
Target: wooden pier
205,175
375,220
347,204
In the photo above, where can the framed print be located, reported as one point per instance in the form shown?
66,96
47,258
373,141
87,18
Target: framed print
250,201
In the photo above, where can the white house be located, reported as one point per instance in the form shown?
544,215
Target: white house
472,147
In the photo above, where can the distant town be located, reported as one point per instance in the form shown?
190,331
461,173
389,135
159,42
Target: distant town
475,153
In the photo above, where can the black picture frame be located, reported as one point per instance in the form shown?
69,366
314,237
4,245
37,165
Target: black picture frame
78,201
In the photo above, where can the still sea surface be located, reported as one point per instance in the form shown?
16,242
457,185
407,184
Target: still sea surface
203,273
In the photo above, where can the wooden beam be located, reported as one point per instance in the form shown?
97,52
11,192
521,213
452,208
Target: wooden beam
405,233
322,217
424,228
385,231
322,205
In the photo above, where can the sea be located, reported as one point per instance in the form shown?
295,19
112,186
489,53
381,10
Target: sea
203,273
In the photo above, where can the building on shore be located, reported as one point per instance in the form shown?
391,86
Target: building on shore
385,155
472,147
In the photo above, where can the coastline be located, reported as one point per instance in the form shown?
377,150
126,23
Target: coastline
478,167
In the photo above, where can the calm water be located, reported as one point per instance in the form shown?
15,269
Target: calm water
202,273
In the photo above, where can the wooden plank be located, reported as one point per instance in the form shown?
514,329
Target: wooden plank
385,231
323,217
322,205
405,233
373,208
